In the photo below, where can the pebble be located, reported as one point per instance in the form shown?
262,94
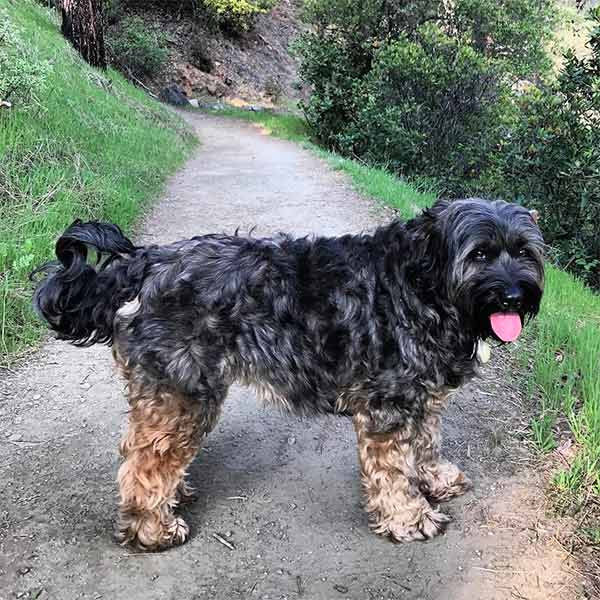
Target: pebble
37,397
291,440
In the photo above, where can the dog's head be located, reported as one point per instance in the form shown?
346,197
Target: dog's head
491,261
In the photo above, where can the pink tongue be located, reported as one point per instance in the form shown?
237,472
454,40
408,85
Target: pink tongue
507,326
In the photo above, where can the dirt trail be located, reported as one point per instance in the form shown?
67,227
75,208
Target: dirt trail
284,492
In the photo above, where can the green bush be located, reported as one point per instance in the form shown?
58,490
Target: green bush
112,11
515,33
237,15
422,118
22,73
337,51
418,86
553,160
137,49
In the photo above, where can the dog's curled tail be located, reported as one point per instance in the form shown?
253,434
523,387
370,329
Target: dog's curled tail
80,300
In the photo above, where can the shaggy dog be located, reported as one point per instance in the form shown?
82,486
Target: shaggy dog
380,327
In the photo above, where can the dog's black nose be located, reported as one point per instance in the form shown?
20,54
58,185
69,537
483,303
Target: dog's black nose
512,299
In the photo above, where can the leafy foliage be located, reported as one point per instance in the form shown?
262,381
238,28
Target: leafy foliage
418,116
553,160
94,147
420,86
137,49
22,73
512,32
237,15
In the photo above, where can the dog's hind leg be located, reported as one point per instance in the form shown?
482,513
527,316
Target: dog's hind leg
394,501
439,479
166,428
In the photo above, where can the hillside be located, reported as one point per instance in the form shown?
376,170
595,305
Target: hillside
208,61
85,144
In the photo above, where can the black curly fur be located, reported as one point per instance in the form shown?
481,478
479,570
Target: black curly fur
375,323
78,300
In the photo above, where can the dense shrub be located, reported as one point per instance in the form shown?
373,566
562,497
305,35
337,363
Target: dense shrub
553,160
116,9
421,85
113,10
137,49
337,54
420,117
22,73
512,32
237,15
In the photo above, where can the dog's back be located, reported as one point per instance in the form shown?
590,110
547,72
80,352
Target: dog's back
296,314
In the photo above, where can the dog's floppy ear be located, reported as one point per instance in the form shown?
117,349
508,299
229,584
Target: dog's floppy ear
430,252
437,210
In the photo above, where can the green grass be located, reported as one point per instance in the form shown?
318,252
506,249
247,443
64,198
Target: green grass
407,198
281,125
92,146
564,350
565,357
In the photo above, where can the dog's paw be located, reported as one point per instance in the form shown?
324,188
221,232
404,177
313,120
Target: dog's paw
150,535
444,481
176,533
426,526
451,489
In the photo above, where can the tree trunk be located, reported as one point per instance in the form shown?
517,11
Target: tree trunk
82,26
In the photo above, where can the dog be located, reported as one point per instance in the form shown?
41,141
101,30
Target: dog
380,327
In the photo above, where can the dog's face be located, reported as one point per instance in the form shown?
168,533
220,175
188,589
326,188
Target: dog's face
494,253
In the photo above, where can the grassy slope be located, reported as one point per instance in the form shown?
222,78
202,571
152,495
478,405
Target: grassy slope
93,147
566,369
564,354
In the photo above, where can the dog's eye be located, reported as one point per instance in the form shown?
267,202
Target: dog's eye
480,254
523,252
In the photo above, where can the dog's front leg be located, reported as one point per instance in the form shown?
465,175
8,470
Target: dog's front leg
389,470
439,479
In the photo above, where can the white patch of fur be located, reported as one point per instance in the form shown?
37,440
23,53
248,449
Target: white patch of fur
129,308
484,352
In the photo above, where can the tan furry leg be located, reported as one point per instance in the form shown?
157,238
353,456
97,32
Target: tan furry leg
439,478
165,432
389,475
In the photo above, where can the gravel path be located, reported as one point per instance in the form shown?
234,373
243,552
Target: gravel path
284,492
